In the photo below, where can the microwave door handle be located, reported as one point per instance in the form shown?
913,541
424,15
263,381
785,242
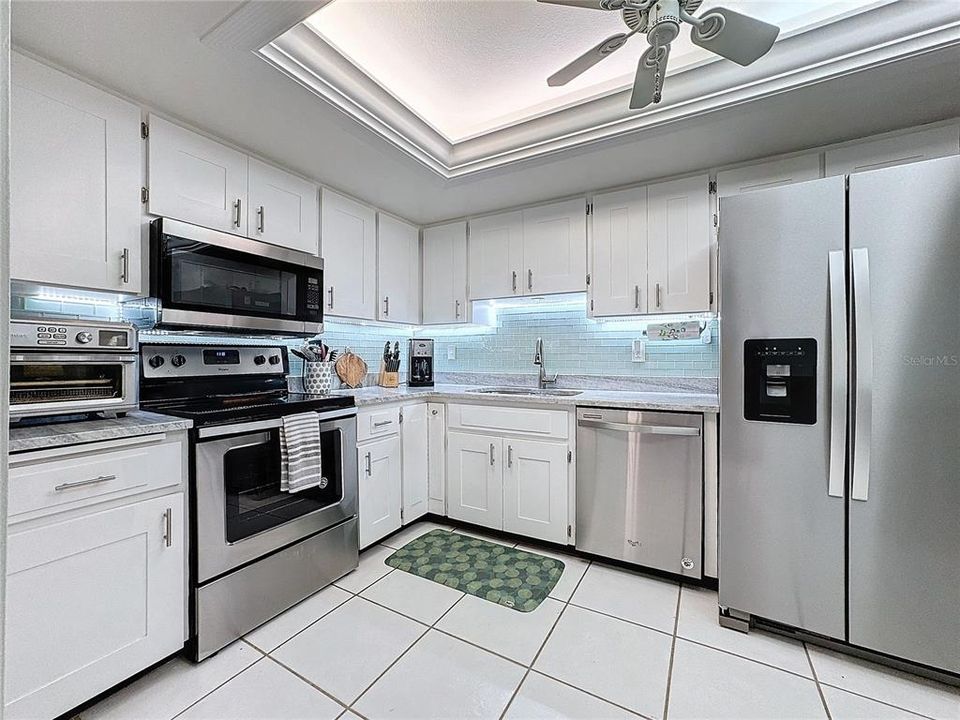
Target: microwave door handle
838,373
863,384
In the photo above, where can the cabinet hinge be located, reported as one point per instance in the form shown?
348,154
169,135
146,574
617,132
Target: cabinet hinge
711,297
589,208
144,130
588,278
401,417
401,514
716,220
144,195
569,531
569,456
712,186
591,303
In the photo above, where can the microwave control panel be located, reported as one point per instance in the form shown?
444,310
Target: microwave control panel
57,334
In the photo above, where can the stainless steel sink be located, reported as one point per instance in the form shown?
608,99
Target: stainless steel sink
525,391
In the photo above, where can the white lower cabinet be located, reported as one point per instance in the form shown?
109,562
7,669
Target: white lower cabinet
535,489
414,442
379,465
474,479
91,600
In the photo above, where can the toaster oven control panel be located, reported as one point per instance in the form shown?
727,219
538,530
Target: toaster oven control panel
46,334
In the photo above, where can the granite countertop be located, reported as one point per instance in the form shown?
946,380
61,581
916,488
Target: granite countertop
53,435
677,400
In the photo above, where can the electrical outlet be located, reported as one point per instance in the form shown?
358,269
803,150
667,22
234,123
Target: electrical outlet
705,336
639,351
451,352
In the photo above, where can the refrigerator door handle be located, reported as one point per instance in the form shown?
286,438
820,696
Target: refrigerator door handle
838,373
863,400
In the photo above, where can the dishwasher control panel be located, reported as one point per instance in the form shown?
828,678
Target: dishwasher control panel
780,380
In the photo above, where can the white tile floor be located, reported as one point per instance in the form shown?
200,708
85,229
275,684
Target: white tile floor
607,644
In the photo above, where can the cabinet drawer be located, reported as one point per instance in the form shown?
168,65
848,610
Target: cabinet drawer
532,422
381,422
82,477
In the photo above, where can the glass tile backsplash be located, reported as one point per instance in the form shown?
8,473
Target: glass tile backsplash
573,343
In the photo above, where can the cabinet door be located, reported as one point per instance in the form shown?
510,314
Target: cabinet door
555,248
896,150
75,163
398,270
437,456
284,209
474,481
535,489
678,237
618,282
768,175
90,602
348,238
445,274
413,437
495,250
380,489
195,179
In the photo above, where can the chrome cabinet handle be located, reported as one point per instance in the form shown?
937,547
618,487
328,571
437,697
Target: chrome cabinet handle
84,483
640,428
236,206
863,347
382,423
514,281
529,279
386,306
491,453
168,527
260,223
456,309
125,266
330,303
509,455
658,295
838,373
636,297
369,469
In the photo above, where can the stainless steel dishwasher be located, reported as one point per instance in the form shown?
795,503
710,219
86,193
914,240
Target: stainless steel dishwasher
640,487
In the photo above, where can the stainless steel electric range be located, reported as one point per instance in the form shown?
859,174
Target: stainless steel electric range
255,549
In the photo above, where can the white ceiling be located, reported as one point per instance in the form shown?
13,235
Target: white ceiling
467,67
150,51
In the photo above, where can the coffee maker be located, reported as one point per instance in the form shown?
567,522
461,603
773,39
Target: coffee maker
421,363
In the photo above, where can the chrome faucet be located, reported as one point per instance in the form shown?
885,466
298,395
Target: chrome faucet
538,360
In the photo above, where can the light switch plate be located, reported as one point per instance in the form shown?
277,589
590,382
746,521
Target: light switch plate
451,352
639,353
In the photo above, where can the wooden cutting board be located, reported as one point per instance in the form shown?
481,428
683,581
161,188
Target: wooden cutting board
351,369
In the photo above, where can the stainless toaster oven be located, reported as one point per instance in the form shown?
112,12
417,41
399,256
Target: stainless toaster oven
71,368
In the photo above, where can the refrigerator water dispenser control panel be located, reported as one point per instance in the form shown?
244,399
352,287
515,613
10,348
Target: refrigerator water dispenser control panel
780,380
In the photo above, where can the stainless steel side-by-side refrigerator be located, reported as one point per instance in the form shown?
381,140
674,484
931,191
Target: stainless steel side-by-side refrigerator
840,409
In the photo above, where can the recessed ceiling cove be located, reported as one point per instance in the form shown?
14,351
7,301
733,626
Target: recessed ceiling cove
461,84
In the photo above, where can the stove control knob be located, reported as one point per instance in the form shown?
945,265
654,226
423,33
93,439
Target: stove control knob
259,360
84,337
178,360
156,361
274,359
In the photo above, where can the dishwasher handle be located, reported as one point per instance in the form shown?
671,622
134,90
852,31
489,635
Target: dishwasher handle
641,428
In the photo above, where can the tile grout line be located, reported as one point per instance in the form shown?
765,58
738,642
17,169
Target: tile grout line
742,657
673,648
306,627
816,681
873,699
309,682
237,674
617,617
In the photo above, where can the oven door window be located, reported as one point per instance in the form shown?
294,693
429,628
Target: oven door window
207,278
64,382
254,501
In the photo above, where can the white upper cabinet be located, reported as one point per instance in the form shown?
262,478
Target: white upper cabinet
75,176
415,461
398,270
283,209
768,174
618,282
195,179
496,256
445,274
555,248
895,150
678,237
348,237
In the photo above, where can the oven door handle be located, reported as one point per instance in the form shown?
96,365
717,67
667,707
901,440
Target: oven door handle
258,425
82,358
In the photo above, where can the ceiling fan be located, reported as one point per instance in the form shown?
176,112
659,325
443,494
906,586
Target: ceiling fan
729,34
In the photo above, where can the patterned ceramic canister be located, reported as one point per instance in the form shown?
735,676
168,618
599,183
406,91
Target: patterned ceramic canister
318,378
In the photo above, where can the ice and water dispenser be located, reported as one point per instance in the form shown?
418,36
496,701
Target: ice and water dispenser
780,380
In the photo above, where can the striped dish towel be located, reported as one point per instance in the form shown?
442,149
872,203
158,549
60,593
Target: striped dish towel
300,466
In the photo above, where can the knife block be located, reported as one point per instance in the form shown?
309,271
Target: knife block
388,379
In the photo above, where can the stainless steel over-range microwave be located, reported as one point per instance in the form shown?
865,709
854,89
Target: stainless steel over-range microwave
206,279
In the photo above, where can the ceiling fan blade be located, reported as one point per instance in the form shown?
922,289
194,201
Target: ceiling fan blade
586,61
645,81
735,36
588,4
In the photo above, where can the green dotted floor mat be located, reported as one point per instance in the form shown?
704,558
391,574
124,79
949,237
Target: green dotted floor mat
503,575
